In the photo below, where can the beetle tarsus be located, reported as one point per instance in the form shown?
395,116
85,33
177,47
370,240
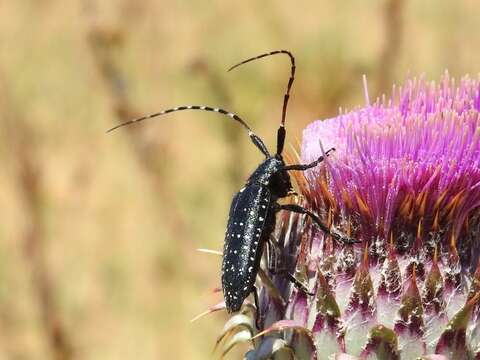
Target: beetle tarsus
303,167
344,239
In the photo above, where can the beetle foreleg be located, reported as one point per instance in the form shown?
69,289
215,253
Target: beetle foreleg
303,167
340,238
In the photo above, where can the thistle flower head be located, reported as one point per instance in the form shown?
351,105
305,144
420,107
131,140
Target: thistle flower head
407,168
405,181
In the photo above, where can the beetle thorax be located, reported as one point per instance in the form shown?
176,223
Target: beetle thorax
271,173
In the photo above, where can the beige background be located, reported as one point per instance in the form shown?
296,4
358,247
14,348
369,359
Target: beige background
98,232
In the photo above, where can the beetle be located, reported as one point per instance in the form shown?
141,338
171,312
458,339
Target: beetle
252,216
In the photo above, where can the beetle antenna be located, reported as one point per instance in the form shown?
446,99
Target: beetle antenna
257,141
281,130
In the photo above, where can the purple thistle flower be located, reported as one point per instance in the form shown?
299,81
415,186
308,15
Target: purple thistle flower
405,180
408,168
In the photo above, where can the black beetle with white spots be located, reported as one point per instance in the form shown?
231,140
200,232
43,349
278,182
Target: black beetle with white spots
253,211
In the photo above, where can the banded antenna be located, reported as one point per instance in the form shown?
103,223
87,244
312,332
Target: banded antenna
257,141
281,130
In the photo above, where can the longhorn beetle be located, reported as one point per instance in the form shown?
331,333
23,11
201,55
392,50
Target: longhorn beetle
251,220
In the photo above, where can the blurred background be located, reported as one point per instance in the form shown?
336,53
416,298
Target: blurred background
99,232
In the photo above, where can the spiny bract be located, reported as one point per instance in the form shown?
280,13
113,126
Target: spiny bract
405,180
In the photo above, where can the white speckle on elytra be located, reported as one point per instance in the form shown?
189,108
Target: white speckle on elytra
260,218
250,269
252,258
241,224
238,235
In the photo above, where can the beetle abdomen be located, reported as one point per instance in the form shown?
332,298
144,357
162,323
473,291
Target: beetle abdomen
249,224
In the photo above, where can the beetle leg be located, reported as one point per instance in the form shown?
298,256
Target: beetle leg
340,238
257,305
284,272
297,283
303,167
272,254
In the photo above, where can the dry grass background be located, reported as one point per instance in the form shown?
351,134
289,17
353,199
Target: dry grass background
98,232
